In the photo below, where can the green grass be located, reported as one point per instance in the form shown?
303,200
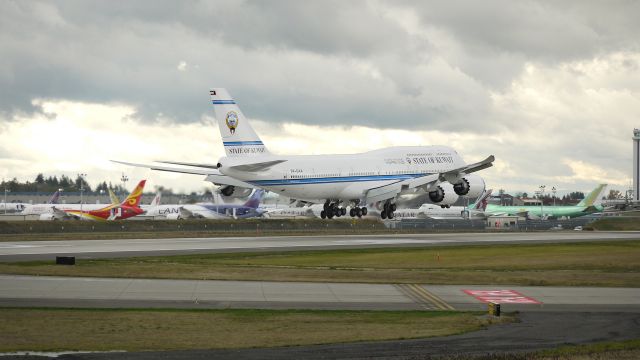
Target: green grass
623,350
576,264
616,224
134,330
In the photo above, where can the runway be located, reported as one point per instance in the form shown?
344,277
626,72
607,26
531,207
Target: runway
37,250
144,293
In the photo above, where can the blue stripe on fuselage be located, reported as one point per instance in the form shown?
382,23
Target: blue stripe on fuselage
242,143
223,102
337,179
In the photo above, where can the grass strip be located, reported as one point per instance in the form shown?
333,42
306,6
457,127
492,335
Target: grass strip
613,264
38,329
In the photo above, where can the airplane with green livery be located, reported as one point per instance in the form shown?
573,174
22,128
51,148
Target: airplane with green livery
590,204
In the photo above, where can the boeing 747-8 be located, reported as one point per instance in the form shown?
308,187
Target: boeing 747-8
376,177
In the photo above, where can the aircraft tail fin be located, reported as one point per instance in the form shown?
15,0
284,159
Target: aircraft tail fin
156,199
482,201
113,197
134,198
255,199
238,137
54,198
594,196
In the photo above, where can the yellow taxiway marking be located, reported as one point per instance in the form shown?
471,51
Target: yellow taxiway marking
424,297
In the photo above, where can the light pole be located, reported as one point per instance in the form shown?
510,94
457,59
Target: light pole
542,187
5,199
124,180
81,176
553,190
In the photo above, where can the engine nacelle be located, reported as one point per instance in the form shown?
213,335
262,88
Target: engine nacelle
443,194
48,217
471,186
234,191
174,216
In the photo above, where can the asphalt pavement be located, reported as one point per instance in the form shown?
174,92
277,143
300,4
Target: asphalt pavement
39,250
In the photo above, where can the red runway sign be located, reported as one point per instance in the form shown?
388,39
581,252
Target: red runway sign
501,296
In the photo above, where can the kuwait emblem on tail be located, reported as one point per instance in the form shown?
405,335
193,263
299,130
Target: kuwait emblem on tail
232,121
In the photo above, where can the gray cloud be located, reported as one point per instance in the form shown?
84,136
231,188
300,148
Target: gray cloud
350,63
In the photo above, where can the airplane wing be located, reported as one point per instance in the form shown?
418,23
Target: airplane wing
212,173
427,181
186,214
59,214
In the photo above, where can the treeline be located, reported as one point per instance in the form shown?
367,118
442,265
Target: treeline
54,183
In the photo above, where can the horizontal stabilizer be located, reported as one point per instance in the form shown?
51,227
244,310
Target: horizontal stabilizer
172,169
256,167
206,166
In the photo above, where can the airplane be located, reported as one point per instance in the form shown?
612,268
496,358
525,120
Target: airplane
476,210
19,206
592,203
130,207
210,211
374,178
285,212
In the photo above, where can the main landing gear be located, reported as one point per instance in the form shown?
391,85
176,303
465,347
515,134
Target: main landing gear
358,211
387,211
331,210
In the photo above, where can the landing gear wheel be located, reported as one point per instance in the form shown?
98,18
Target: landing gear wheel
390,215
383,214
359,212
323,214
364,211
344,211
392,207
352,212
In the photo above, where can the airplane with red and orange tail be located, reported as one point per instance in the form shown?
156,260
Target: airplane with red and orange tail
130,207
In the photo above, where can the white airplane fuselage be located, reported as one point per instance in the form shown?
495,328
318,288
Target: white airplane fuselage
39,209
343,177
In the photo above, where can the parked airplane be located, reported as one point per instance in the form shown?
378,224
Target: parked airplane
590,204
210,211
126,209
19,206
337,181
476,210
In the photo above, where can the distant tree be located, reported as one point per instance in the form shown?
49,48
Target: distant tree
525,195
64,182
40,179
576,195
614,195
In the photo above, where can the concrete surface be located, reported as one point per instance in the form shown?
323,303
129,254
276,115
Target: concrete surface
17,290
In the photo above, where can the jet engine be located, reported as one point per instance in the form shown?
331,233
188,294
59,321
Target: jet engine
443,195
47,217
233,191
470,186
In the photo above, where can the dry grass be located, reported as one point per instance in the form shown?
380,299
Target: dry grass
615,264
63,329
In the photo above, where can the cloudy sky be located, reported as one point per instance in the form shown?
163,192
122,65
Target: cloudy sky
552,89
